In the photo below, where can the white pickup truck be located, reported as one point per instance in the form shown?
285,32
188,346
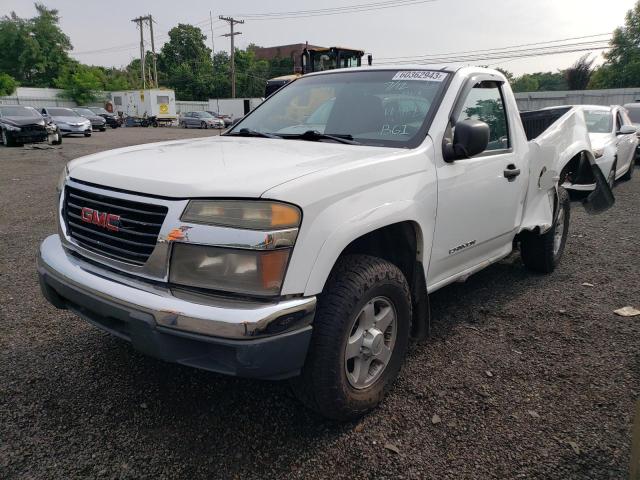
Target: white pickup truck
303,242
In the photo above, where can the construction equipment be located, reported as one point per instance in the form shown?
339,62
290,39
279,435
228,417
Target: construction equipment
318,60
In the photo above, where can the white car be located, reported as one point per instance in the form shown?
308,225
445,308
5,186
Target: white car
271,252
613,140
68,121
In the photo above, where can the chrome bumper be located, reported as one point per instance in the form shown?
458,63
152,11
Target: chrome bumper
172,310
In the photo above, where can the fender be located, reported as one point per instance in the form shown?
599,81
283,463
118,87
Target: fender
354,228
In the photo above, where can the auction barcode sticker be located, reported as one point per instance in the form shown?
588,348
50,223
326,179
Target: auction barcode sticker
421,75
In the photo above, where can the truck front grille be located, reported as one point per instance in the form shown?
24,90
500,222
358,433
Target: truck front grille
136,232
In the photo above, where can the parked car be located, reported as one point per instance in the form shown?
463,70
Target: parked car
200,120
614,142
68,121
97,122
633,110
112,119
311,255
225,118
20,124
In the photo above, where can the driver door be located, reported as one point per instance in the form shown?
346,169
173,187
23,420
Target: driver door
480,199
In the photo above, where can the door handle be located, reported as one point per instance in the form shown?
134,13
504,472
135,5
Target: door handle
511,172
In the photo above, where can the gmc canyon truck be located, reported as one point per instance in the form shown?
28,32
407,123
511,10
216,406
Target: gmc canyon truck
303,242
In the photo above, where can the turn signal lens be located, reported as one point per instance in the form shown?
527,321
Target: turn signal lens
253,215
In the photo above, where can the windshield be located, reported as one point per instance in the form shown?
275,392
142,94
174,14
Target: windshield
382,108
100,111
204,115
634,114
598,121
18,111
84,111
62,112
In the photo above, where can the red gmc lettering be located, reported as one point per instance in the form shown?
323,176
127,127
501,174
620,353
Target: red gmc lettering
109,221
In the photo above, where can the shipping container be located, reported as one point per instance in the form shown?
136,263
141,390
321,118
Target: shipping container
157,102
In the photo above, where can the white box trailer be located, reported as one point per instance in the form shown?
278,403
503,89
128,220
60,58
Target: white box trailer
158,102
234,107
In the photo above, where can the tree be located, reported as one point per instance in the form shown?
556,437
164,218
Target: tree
80,83
622,62
186,61
34,51
8,84
525,83
579,74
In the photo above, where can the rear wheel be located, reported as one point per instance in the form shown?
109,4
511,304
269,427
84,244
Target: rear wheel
360,338
542,252
203,125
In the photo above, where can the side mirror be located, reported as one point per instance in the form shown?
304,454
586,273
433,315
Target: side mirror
470,138
627,130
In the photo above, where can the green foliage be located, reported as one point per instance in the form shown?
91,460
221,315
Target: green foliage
8,84
540,81
622,62
35,50
80,83
579,74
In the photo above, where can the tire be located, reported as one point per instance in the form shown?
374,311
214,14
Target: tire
87,134
629,173
203,125
58,140
103,129
8,140
543,252
184,124
357,285
611,178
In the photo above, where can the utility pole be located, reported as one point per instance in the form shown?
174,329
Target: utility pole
232,21
153,50
213,50
139,21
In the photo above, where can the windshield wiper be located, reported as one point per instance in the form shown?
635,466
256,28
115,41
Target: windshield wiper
245,132
313,135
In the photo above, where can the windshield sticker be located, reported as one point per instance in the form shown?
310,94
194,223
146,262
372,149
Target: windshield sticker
420,75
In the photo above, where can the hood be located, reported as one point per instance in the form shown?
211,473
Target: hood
215,166
93,118
68,119
600,140
21,121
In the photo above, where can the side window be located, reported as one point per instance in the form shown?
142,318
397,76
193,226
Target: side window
485,103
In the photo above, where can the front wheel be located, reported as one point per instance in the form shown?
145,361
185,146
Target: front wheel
7,140
629,173
203,125
542,252
360,338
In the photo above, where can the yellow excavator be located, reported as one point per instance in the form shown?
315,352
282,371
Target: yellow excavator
318,60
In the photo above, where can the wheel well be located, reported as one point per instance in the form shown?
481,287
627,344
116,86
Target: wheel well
577,171
400,244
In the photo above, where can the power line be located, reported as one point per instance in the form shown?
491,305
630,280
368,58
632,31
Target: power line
365,7
461,58
496,49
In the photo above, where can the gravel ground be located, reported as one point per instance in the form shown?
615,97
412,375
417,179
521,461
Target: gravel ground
524,376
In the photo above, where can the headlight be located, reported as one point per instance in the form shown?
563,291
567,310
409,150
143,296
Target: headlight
255,269
248,272
254,215
62,179
598,152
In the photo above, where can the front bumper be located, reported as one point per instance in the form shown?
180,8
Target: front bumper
66,129
32,136
249,339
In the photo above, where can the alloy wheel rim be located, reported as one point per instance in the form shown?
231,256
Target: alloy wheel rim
559,231
370,344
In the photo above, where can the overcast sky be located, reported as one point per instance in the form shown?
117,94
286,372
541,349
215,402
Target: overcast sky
442,26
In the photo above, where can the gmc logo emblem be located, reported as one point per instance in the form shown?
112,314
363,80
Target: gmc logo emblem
109,221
